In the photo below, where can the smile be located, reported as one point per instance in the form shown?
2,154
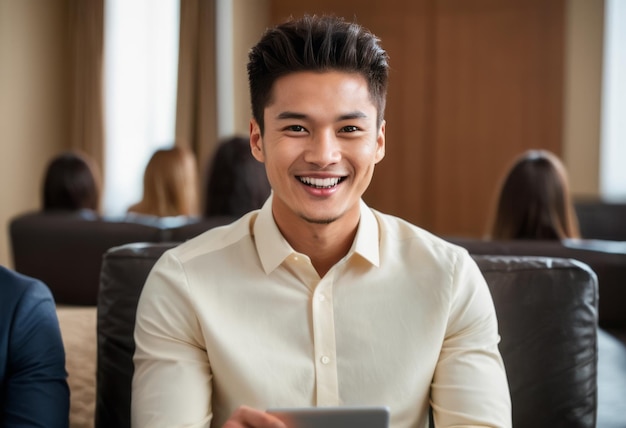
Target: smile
321,183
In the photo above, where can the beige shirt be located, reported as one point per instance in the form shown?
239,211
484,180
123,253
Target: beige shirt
236,316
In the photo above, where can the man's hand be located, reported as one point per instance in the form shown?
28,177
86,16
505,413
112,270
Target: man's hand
247,417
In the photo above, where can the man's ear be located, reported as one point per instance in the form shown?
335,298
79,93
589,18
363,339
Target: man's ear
380,143
256,141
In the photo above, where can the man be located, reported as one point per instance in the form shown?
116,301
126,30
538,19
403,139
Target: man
33,380
316,299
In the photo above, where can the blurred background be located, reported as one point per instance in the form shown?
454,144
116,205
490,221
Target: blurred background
473,83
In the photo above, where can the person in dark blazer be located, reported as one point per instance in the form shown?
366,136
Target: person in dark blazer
34,390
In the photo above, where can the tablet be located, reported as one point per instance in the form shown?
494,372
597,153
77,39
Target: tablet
333,417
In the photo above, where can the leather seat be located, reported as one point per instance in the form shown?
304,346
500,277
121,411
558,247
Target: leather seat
601,219
547,316
64,249
547,313
606,258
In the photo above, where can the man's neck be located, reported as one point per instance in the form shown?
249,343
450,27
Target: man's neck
325,244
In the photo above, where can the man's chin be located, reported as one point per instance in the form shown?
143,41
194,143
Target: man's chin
321,220
318,219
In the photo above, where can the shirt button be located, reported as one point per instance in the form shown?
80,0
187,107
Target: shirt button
325,360
321,297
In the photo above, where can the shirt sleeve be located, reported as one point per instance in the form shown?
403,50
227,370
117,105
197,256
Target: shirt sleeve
37,394
172,377
469,386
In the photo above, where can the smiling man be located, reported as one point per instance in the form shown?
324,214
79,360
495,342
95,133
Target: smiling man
320,142
317,299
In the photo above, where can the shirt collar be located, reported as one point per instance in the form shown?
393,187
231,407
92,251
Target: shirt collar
367,240
273,248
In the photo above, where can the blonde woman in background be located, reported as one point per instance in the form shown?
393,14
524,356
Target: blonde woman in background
170,185
534,200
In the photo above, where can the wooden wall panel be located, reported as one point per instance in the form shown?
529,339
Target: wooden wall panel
472,84
498,91
403,26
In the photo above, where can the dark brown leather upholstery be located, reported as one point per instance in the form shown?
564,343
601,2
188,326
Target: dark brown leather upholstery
602,219
124,272
65,249
546,310
192,229
547,316
606,258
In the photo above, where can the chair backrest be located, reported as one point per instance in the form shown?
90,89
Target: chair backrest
65,251
606,258
547,317
601,219
193,229
124,271
547,314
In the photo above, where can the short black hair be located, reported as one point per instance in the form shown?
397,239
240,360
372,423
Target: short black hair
316,43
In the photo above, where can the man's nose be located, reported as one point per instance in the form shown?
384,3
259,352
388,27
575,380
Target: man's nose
324,149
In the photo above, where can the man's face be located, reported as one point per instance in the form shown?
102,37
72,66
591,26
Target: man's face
319,146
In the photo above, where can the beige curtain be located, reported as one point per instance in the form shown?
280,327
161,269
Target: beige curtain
86,35
196,111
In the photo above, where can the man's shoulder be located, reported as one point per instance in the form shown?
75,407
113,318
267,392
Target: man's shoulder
15,287
399,230
216,239
25,302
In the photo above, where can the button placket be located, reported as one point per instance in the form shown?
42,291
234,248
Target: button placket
324,342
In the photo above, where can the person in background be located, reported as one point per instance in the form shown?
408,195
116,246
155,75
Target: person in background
317,299
33,380
534,200
170,185
236,182
71,183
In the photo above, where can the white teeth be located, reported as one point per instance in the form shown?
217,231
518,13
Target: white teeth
320,182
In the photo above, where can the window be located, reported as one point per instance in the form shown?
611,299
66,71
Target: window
613,141
141,63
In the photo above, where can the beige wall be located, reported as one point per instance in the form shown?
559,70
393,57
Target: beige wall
34,99
33,102
582,92
251,17
583,84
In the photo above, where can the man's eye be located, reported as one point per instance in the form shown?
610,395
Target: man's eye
349,128
295,128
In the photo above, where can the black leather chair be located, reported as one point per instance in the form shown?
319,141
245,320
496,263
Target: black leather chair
601,219
193,229
547,312
547,316
65,250
606,258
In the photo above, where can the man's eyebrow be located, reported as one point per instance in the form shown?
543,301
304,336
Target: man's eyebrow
294,115
290,115
353,115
